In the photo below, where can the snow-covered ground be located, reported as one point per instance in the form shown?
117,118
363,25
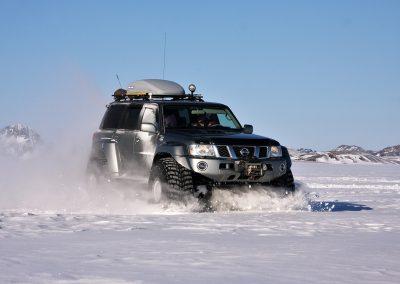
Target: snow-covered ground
343,227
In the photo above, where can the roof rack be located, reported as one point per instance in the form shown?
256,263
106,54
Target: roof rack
151,89
121,95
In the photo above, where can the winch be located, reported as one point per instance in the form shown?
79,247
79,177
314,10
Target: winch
250,170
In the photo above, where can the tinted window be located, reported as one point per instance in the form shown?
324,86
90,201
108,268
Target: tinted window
113,116
131,117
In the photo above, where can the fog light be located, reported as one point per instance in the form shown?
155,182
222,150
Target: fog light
202,166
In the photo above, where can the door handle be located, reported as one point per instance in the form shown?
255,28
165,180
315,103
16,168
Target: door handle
107,139
137,140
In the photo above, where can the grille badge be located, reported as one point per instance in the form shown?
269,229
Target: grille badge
244,152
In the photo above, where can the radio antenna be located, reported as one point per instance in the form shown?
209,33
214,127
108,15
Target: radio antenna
118,80
165,47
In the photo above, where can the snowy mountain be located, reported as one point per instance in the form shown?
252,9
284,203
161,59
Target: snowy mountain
348,149
393,151
306,150
296,154
348,154
18,140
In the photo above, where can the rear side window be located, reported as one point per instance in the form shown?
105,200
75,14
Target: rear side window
113,116
130,118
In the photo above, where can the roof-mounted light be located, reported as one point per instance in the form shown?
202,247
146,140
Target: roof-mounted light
119,94
192,88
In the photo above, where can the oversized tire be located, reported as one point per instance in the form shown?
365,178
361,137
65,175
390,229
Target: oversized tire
285,182
168,179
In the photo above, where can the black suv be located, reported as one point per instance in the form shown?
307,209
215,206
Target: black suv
177,143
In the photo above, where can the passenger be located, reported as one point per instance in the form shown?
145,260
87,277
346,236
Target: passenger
171,121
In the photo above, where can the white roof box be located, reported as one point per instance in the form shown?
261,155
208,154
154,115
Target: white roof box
155,88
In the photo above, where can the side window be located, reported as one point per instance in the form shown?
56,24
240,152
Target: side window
176,118
150,116
112,117
131,118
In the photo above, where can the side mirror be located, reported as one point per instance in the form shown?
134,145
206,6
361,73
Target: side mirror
248,129
147,127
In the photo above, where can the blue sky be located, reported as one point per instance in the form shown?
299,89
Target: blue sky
308,73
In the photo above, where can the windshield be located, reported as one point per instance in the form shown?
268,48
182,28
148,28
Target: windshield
194,117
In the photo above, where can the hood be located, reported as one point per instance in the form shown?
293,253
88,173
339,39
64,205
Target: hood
219,138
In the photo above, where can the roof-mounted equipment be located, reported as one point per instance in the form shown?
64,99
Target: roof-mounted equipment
119,94
192,88
155,88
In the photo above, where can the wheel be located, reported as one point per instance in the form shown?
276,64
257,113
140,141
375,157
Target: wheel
169,179
286,181
157,190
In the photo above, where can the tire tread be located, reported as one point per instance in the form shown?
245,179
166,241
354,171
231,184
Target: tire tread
174,175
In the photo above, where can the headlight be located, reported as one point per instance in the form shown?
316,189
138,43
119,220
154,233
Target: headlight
201,150
276,151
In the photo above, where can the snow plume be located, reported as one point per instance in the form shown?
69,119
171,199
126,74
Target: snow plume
52,180
55,184
260,199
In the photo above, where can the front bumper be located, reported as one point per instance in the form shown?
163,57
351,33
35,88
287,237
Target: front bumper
235,170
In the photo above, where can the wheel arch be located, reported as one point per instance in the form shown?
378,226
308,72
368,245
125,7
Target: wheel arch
286,156
159,156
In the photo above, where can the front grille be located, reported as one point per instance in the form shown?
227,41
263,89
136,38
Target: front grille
237,150
263,152
223,151
226,151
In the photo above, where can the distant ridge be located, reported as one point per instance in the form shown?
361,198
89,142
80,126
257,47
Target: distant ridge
392,151
348,149
349,154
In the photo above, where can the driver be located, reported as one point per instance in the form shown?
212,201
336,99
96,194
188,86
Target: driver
200,121
206,121
213,121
